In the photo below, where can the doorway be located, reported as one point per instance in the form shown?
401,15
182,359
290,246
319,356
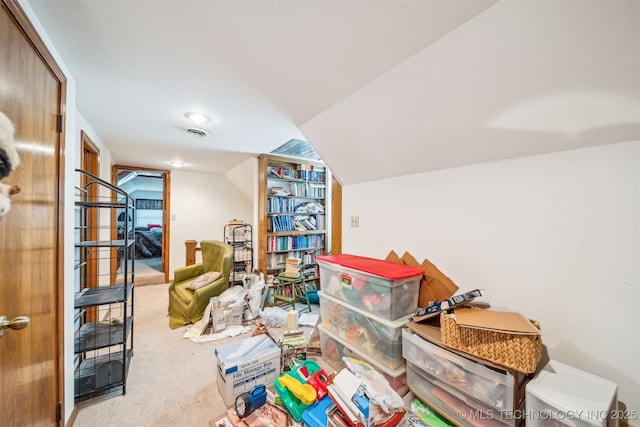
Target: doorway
150,189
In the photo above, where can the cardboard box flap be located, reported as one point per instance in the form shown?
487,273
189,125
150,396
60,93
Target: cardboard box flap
426,292
500,321
393,257
445,286
434,284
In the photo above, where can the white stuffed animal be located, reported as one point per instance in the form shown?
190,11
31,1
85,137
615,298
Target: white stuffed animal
9,161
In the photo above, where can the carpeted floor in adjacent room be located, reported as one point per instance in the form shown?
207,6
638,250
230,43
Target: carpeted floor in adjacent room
149,271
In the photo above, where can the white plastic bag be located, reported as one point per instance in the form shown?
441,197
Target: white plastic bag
274,317
232,297
255,296
376,386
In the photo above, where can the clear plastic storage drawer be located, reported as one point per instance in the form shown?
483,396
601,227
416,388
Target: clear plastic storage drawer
493,387
462,409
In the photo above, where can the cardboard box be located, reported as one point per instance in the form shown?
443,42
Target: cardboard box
223,317
294,352
243,364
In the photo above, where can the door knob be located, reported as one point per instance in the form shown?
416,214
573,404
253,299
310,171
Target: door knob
17,323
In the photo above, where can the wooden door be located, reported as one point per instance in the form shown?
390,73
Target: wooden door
31,246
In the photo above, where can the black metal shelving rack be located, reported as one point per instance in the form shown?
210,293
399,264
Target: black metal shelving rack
241,238
104,277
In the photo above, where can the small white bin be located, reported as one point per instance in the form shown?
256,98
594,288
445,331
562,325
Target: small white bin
561,395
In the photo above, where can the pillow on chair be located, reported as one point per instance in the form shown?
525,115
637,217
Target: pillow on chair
203,280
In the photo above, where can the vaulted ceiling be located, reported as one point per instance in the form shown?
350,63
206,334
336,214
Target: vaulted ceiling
379,88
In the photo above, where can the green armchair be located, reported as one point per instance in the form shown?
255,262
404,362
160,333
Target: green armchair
187,306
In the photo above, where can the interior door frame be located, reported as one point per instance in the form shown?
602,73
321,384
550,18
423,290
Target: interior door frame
166,203
90,162
40,48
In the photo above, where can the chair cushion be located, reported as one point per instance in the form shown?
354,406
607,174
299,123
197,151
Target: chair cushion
182,294
203,280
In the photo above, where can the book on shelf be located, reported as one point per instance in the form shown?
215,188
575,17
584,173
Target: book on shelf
276,172
310,272
309,207
279,191
304,222
279,223
282,173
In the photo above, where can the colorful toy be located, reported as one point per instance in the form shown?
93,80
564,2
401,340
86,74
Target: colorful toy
293,397
319,382
316,414
304,392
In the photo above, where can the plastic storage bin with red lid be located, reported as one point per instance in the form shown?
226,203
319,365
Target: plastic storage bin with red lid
383,288
379,267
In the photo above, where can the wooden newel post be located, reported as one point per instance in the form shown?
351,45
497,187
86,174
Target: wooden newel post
190,247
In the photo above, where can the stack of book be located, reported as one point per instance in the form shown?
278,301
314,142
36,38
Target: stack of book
292,267
304,222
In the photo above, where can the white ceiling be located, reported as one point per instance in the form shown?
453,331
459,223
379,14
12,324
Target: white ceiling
379,88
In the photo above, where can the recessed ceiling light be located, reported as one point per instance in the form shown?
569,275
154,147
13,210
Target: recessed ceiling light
176,163
197,117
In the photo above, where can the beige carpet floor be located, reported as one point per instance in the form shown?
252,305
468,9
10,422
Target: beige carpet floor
149,271
171,381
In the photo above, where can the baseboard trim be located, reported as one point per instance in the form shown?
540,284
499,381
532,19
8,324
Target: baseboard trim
72,417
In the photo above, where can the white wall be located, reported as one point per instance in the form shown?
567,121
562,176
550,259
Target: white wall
201,205
555,236
245,177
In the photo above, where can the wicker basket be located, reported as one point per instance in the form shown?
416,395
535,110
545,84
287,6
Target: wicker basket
515,351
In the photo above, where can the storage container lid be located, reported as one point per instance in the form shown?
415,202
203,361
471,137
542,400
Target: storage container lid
387,269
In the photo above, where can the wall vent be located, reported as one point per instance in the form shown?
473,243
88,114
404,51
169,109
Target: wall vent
197,132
